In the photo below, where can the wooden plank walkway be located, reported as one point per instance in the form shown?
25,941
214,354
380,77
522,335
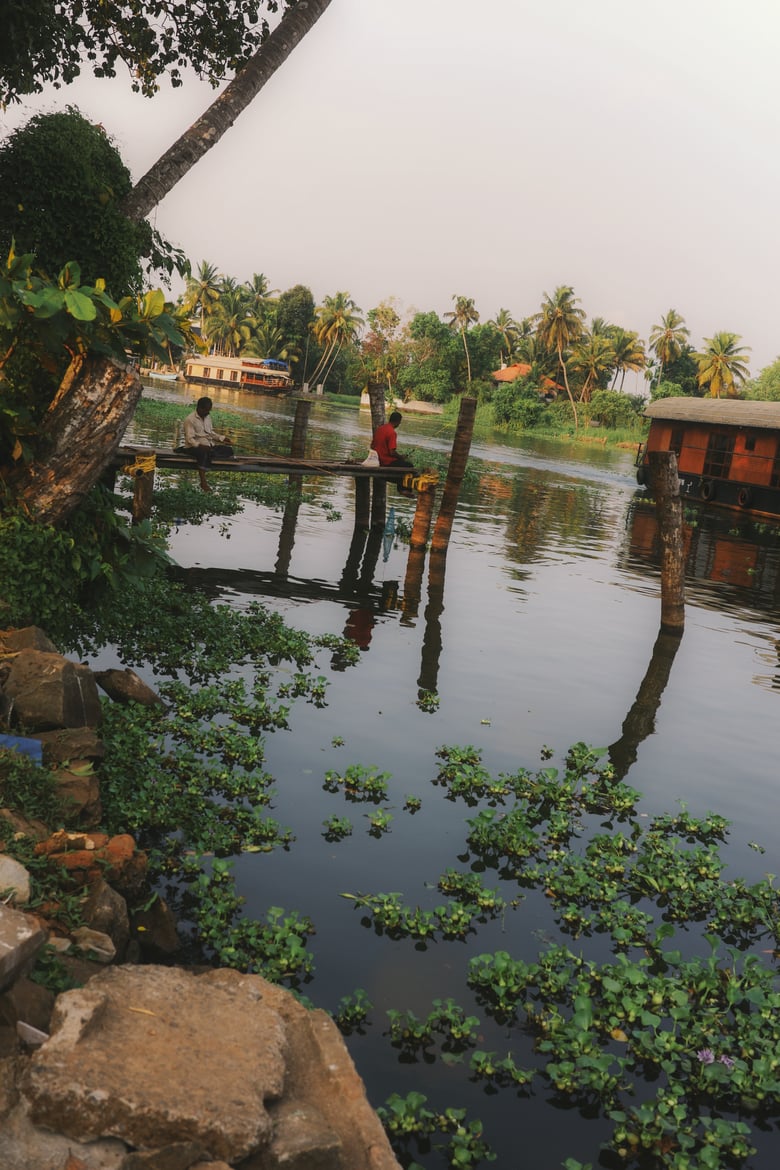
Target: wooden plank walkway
135,458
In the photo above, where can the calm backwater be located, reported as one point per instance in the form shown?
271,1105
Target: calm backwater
540,634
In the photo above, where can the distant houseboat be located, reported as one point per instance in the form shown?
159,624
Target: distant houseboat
265,375
728,451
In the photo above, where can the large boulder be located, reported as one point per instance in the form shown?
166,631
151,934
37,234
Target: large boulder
44,691
189,1069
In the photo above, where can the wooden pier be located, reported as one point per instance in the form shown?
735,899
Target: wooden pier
370,481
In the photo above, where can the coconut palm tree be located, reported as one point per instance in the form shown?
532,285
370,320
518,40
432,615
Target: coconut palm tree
338,321
461,317
202,292
594,356
722,365
505,324
667,340
629,353
259,297
229,327
559,328
268,341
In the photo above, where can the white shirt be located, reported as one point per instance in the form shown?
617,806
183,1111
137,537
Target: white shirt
199,432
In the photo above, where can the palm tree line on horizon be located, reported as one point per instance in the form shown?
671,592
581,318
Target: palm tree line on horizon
242,317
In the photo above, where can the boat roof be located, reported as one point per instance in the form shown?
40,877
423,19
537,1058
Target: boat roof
729,412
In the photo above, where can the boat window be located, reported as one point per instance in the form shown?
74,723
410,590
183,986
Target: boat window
207,371
676,440
717,461
750,442
234,375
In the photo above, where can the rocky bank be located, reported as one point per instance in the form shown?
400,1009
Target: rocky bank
146,1065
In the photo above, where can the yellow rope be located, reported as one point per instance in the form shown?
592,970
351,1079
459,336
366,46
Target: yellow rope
419,482
140,465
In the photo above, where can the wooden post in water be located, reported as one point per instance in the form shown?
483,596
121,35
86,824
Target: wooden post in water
376,396
457,468
665,486
423,514
300,426
143,493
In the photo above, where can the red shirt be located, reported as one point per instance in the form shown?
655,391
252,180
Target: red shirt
384,443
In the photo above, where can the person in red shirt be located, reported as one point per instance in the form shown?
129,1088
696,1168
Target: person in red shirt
384,443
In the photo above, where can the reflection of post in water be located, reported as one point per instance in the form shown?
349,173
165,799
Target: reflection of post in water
349,575
665,484
457,469
376,398
294,482
371,556
410,603
287,533
640,721
431,647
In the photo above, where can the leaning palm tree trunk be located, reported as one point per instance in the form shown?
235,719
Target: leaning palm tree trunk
86,426
222,113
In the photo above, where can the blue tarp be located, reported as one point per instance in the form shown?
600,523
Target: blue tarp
27,747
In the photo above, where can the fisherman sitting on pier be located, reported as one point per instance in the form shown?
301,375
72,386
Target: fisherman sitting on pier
384,443
202,441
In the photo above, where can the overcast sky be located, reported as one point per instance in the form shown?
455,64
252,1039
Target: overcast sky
419,149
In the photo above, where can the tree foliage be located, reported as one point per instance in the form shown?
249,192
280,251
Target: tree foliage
47,327
52,41
61,184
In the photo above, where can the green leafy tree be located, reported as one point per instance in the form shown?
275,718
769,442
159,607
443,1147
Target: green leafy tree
612,408
295,315
667,341
382,349
461,318
431,370
560,327
65,380
47,43
62,182
722,365
42,42
766,385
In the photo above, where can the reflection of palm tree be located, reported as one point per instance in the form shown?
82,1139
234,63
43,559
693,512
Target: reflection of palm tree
667,340
629,353
722,365
338,321
463,315
560,326
203,291
505,324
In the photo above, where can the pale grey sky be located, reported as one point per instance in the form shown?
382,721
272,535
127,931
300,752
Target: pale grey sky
495,149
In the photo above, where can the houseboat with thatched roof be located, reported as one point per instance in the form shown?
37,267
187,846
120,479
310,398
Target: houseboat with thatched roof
263,375
728,451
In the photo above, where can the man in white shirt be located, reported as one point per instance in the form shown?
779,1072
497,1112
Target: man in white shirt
202,441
